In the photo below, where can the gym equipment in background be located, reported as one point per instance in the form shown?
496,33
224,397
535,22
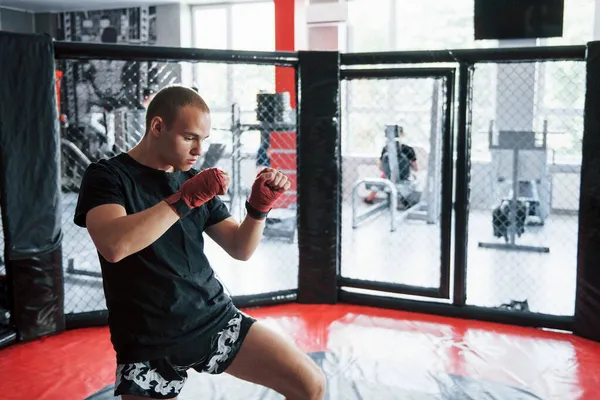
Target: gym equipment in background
527,203
277,127
421,197
398,191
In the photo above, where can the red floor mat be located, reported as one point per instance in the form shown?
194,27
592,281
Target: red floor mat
374,350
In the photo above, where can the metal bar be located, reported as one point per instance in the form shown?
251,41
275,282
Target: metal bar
397,288
103,51
273,127
564,323
72,270
394,73
358,218
7,337
515,196
266,299
514,247
461,207
447,190
86,319
541,53
83,272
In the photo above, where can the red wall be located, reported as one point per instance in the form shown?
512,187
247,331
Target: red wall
283,144
285,79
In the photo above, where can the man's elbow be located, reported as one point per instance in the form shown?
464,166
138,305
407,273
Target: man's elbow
112,254
242,255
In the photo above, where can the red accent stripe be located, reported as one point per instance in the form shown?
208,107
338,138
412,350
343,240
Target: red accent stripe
285,77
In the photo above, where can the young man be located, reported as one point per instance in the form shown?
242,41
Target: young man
146,211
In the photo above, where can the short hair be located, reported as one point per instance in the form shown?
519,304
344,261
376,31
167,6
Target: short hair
168,101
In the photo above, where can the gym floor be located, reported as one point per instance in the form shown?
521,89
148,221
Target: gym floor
410,255
399,355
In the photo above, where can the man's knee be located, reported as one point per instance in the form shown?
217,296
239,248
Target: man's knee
319,385
315,383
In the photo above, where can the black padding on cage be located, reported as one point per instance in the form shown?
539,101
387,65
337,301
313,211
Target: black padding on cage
319,166
30,184
587,303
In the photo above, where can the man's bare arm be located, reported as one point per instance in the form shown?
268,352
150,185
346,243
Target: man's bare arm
241,240
238,240
118,235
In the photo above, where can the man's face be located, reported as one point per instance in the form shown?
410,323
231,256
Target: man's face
180,144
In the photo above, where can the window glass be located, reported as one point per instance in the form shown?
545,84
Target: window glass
369,25
253,26
210,32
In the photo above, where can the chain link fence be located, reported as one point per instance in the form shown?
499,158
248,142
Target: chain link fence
526,133
103,104
392,162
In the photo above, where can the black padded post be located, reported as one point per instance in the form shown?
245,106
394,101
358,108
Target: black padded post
319,164
587,303
30,184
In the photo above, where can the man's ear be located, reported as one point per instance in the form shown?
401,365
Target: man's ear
157,125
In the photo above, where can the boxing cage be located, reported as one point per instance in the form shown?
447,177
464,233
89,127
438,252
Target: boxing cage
30,189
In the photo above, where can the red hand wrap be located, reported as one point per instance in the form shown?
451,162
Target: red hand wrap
199,189
263,196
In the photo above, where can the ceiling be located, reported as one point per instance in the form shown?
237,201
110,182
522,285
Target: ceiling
88,5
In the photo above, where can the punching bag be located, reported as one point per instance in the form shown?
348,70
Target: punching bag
30,184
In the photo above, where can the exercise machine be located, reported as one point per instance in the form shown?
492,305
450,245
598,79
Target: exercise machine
527,202
398,191
422,195
277,127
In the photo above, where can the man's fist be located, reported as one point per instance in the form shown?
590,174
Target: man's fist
268,186
226,181
198,190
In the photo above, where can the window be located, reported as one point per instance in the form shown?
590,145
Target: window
210,27
242,26
210,32
578,26
253,26
565,81
386,25
434,24
369,25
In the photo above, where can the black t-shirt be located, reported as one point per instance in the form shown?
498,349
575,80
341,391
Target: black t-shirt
166,296
406,155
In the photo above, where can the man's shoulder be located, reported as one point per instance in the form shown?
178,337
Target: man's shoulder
111,170
112,164
119,160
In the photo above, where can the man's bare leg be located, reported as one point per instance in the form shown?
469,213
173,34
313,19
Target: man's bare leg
268,359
